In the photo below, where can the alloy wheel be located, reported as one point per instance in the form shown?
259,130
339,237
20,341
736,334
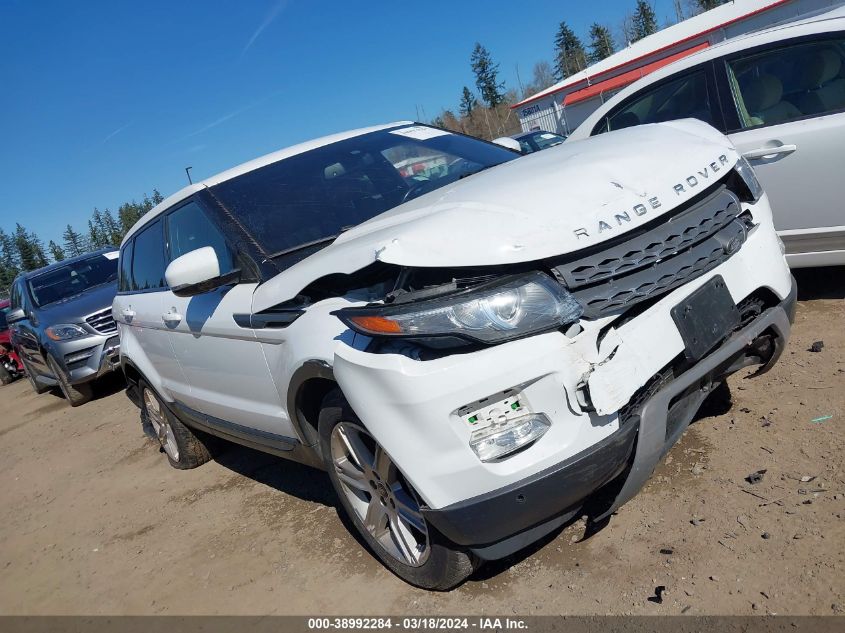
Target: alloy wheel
161,425
379,495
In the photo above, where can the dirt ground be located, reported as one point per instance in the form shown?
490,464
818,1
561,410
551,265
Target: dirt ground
94,521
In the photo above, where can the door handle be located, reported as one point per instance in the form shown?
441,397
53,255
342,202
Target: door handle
171,317
766,152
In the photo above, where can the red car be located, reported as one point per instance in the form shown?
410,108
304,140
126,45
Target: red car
10,365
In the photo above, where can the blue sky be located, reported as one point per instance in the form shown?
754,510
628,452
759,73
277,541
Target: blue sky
103,101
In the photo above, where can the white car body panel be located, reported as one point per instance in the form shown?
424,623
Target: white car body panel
210,348
809,220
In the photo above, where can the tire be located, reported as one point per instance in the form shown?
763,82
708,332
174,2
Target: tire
5,376
39,389
76,395
183,448
381,498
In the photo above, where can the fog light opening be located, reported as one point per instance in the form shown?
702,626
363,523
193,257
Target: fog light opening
497,441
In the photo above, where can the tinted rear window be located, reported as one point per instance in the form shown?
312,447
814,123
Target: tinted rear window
124,280
316,195
148,261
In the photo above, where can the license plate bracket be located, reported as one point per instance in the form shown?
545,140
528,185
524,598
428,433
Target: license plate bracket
705,317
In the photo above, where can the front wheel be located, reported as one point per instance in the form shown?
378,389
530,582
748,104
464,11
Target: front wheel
184,449
74,394
383,505
30,375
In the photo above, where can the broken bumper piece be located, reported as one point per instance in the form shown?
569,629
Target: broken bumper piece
504,521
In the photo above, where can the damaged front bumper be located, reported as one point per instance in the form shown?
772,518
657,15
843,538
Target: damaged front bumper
585,385
502,522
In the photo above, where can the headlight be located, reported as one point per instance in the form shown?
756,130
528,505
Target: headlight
492,313
65,332
746,172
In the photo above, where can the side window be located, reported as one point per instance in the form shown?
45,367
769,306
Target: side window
148,261
684,97
188,228
789,82
16,296
124,275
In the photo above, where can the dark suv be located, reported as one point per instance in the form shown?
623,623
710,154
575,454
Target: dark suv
62,326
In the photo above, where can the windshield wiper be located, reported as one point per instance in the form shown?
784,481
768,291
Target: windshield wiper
301,247
472,173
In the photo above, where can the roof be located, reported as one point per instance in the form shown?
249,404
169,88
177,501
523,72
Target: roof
690,29
70,260
252,165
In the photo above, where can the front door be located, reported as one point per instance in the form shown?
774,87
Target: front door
790,106
223,361
24,333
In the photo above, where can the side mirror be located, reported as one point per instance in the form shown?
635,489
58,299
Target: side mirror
14,316
197,272
509,143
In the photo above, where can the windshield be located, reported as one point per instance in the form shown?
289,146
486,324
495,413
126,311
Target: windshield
544,140
312,197
72,279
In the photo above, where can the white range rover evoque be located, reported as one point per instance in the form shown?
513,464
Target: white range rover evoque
476,348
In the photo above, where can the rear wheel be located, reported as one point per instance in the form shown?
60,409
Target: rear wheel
74,394
5,376
184,449
382,504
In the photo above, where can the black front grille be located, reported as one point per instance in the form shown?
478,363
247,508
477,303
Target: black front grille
649,264
102,321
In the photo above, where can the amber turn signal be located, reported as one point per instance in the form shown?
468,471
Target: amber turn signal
376,324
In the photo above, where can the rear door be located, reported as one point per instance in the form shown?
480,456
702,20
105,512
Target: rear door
138,308
223,361
786,108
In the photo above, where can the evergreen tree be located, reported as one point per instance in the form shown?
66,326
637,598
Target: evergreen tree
601,43
111,229
644,22
570,57
8,253
9,265
101,230
74,243
95,240
706,5
30,249
128,214
468,102
487,76
56,251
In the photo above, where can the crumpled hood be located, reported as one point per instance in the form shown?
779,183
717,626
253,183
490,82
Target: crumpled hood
546,204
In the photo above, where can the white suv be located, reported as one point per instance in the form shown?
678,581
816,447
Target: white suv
472,346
